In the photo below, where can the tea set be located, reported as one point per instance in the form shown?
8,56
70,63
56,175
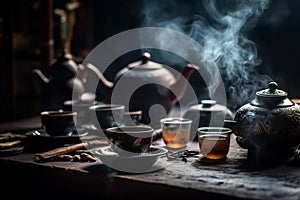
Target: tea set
268,126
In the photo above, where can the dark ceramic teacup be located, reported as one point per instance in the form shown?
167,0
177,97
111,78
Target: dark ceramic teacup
56,123
127,140
107,115
82,109
132,118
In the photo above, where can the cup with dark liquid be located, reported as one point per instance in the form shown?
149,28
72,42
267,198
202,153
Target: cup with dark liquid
214,142
132,118
59,122
107,115
129,140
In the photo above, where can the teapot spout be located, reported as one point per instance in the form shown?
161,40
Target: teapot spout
43,79
178,88
105,86
232,125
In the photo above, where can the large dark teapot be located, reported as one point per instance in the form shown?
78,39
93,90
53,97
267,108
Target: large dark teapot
269,126
145,83
61,84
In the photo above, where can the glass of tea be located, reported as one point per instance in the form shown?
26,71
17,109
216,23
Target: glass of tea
176,132
214,142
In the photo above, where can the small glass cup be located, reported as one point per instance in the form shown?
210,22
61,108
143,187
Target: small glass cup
176,132
214,142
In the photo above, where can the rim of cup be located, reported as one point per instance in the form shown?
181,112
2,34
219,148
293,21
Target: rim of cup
106,107
59,113
135,112
175,120
214,130
78,103
130,129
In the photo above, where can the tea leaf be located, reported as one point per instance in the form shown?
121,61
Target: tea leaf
137,142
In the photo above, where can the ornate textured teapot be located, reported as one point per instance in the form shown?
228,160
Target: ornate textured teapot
152,84
269,126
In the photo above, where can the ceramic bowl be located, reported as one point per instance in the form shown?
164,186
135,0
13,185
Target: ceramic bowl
128,140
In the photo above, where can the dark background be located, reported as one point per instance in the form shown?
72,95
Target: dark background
22,28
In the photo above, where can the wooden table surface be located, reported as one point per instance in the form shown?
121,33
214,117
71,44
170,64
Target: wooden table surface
231,179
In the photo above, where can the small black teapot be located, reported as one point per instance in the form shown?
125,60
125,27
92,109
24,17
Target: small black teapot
268,126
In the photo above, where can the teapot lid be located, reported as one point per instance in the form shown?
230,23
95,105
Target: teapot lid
145,63
209,105
272,97
64,67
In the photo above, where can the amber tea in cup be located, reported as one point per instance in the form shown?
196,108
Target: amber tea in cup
214,142
176,132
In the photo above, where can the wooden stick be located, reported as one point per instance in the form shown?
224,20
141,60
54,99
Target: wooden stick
9,136
65,150
6,145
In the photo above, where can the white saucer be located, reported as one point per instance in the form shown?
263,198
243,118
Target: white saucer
136,163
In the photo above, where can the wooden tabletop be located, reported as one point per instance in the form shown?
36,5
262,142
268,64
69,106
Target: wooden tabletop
233,178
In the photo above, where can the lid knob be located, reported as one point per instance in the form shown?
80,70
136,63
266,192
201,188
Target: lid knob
207,103
272,87
146,57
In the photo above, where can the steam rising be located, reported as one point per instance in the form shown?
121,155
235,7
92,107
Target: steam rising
222,30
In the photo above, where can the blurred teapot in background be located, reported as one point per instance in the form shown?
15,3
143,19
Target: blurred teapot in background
62,83
156,85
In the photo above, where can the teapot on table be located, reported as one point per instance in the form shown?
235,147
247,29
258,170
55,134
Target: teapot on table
203,113
155,85
62,83
268,126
